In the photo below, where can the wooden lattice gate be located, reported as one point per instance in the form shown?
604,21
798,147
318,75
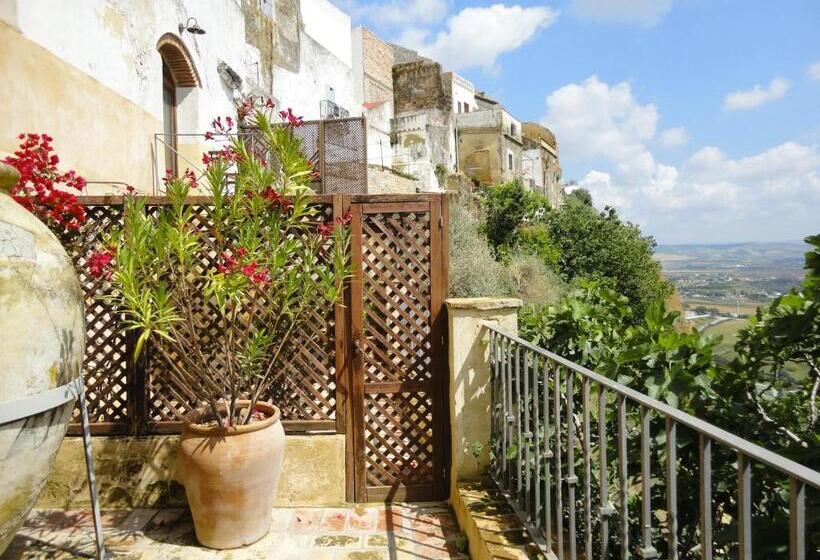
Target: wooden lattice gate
373,368
400,428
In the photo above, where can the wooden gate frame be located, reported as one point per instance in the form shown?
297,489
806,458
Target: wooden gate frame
437,205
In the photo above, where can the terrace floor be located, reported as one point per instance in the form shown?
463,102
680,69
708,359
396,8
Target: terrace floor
366,532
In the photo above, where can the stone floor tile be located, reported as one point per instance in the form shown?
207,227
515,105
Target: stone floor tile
370,554
337,541
304,520
364,532
334,520
363,518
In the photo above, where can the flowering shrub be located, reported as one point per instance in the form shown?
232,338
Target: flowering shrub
38,189
275,260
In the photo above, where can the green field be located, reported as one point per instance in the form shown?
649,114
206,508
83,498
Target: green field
728,329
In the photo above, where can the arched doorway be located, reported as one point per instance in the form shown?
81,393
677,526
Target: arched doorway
178,71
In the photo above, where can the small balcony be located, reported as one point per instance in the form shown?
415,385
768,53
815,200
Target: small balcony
553,460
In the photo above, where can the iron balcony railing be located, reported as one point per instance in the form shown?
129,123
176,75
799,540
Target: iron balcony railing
536,432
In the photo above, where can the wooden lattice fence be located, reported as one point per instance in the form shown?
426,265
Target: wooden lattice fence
373,367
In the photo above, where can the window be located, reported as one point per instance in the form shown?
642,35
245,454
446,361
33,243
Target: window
169,118
509,161
466,108
330,93
512,129
459,107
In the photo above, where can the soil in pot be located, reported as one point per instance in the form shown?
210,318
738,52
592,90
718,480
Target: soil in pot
231,475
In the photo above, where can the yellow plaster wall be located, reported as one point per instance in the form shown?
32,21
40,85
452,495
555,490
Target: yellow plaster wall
470,389
97,132
479,155
144,472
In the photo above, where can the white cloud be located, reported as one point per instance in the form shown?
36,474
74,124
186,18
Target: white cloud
813,71
674,137
710,197
401,12
756,96
643,12
477,36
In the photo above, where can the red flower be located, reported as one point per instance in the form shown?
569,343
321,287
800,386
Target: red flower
190,176
325,230
40,181
206,159
290,118
98,264
129,189
209,135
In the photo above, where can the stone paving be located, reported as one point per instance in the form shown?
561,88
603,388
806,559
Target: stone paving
367,532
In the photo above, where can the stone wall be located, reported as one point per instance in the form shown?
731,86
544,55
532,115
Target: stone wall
386,181
418,86
144,472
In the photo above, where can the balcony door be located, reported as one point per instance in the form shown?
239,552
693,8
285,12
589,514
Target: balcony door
169,119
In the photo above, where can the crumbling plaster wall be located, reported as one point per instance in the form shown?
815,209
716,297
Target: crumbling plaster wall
313,52
89,74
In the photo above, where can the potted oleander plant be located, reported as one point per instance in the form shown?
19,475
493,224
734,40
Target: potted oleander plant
219,307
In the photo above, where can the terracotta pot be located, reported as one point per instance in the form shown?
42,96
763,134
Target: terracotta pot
231,476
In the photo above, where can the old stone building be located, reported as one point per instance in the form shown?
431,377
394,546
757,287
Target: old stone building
489,144
541,167
422,129
373,92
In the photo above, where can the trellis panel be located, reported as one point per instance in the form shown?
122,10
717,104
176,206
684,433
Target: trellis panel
399,375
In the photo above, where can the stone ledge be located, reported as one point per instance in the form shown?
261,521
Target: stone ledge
493,529
483,303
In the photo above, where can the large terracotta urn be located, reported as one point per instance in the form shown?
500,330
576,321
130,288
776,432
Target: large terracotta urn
42,341
231,476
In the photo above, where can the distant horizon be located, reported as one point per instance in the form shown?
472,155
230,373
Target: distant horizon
728,243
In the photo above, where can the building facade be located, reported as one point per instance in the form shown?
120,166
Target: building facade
489,145
423,133
541,166
373,92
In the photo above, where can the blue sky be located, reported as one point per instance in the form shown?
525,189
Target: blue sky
698,119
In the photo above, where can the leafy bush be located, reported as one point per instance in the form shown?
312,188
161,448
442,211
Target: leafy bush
506,208
600,246
474,272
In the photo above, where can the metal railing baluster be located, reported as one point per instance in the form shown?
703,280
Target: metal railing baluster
705,446
797,520
538,518
605,507
525,402
744,507
587,471
647,550
572,480
672,488
516,405
505,356
496,406
559,506
623,491
548,456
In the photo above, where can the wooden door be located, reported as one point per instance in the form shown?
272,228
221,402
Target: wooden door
399,416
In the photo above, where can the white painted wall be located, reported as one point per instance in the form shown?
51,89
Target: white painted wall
329,26
115,43
463,92
305,89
